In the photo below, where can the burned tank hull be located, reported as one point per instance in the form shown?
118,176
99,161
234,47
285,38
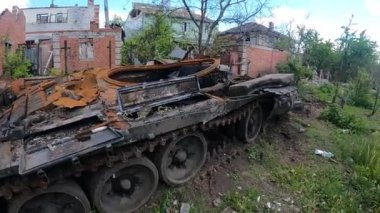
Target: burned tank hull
109,124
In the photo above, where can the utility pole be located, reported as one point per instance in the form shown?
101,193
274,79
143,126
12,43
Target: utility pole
65,48
106,13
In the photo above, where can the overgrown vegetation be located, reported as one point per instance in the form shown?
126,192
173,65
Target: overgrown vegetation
155,41
344,120
294,66
16,66
359,90
245,202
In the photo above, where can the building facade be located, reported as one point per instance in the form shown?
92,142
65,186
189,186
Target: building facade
253,49
69,39
96,48
42,22
183,26
12,32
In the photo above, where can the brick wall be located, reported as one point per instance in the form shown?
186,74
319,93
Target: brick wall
264,60
12,31
87,49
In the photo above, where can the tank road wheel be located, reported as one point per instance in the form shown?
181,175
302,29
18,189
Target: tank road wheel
65,197
249,127
181,160
125,186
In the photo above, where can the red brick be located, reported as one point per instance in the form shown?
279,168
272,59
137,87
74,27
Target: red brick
12,28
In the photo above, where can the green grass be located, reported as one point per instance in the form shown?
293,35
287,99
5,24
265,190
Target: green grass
244,202
318,188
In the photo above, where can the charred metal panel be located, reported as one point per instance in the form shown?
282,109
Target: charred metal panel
65,149
36,101
8,158
66,122
250,86
284,98
18,110
132,99
200,112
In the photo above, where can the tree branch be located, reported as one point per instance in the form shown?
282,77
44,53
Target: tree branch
189,11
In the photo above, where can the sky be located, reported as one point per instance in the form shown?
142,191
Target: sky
326,16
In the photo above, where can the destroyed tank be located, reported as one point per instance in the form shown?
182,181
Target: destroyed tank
102,139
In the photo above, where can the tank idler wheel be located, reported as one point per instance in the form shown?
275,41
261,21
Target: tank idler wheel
180,160
249,127
124,187
65,197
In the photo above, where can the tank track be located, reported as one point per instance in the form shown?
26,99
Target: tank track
15,185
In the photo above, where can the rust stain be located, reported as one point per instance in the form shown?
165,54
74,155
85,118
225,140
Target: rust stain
69,103
86,87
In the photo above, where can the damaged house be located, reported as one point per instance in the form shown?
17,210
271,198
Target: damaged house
253,50
69,38
12,33
184,28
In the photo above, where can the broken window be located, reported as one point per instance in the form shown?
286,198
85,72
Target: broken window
59,17
8,47
134,13
86,51
42,18
184,27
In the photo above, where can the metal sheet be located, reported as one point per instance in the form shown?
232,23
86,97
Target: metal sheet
66,151
18,110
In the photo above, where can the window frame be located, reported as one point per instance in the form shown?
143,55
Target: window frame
40,17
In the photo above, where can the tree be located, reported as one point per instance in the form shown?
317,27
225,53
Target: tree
321,55
375,74
230,11
359,89
117,21
155,41
355,52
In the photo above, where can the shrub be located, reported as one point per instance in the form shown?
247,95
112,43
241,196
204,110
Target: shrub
242,202
16,65
326,88
359,90
343,120
295,67
55,72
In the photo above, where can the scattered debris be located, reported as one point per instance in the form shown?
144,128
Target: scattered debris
273,206
185,208
175,202
228,210
288,200
217,202
324,154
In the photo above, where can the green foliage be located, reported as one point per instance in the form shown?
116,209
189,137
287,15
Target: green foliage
16,65
343,120
155,41
55,72
322,189
363,155
359,90
245,202
294,66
